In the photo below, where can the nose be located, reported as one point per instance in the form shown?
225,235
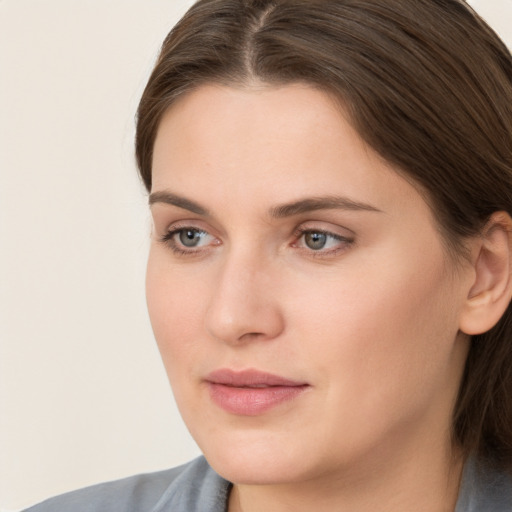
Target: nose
244,304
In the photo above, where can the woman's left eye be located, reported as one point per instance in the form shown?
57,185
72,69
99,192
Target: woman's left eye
321,241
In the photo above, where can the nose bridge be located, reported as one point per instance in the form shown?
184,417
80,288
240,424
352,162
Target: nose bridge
243,304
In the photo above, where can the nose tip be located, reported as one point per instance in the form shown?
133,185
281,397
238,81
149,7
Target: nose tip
244,308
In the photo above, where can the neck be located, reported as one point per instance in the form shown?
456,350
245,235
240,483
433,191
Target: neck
406,482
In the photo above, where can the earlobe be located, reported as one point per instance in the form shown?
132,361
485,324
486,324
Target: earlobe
491,290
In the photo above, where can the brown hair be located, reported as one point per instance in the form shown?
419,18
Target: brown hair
426,83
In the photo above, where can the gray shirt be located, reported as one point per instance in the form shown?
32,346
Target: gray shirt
195,487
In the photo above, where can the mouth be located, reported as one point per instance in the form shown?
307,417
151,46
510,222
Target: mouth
251,392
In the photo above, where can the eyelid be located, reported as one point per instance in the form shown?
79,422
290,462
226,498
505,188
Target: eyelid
168,238
345,240
326,227
163,226
329,226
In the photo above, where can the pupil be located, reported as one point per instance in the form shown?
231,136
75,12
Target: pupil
189,237
316,241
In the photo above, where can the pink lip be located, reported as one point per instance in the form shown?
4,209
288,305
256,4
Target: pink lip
251,392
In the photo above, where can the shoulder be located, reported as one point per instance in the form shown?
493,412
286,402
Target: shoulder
484,489
188,488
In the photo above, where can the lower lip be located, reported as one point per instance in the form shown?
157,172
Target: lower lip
252,401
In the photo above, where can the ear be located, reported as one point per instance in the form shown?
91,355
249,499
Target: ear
491,289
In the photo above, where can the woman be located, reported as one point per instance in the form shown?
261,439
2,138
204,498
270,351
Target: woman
329,274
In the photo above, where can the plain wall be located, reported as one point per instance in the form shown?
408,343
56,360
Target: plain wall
83,394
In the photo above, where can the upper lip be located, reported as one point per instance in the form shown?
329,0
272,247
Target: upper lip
249,378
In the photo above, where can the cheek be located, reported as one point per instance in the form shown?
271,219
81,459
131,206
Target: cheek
381,324
175,309
379,347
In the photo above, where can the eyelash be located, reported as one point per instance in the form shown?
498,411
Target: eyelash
169,240
345,242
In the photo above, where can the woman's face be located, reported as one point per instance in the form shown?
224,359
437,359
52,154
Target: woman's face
303,303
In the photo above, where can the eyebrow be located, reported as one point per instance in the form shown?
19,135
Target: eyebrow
320,203
277,212
175,200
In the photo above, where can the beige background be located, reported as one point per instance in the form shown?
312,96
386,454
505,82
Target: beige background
83,395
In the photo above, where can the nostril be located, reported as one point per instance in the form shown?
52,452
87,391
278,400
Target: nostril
251,336
240,309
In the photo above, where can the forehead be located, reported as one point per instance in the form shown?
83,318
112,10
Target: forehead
223,126
269,145
211,113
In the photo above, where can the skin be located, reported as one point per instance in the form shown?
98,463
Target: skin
370,321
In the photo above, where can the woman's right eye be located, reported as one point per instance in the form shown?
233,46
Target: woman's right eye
187,240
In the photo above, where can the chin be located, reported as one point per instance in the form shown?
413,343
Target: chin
260,459
275,449
252,469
